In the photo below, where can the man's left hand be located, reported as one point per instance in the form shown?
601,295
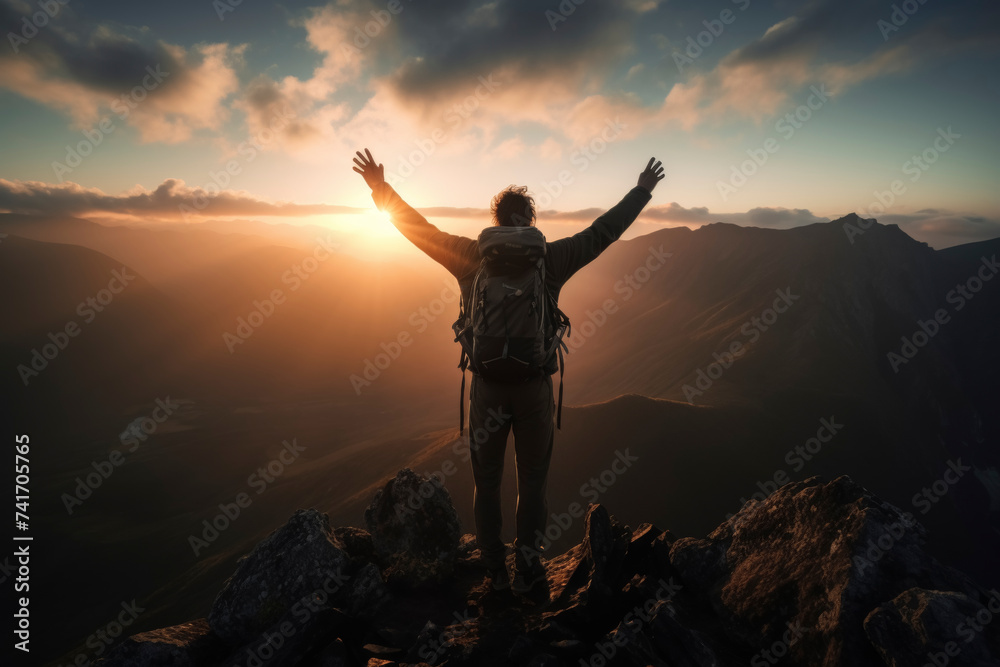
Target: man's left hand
372,173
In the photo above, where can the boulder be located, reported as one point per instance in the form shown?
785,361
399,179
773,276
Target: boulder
357,542
367,593
414,529
796,574
589,572
297,567
186,645
919,627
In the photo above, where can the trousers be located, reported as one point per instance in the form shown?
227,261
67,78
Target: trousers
496,408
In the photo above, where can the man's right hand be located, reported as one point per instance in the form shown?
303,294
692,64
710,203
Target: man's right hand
372,173
650,176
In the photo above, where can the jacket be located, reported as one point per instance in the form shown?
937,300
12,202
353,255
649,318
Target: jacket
460,255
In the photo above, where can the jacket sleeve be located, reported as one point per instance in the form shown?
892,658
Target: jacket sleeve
567,256
458,254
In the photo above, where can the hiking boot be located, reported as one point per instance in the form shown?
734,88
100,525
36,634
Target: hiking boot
498,576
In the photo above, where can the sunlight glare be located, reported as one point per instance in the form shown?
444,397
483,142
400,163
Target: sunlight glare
372,232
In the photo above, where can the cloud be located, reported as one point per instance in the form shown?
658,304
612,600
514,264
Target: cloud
675,214
448,49
939,228
549,150
278,107
508,149
347,35
431,71
568,80
835,30
570,95
672,214
823,43
165,201
736,88
410,69
942,228
88,71
194,101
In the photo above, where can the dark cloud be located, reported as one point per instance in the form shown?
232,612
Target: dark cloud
113,63
819,25
263,93
96,56
165,201
266,105
847,29
81,68
460,40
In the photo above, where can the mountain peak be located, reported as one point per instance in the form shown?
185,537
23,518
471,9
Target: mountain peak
724,225
854,218
815,569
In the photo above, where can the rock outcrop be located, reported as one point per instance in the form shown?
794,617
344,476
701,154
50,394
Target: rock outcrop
819,573
414,529
299,561
801,570
934,627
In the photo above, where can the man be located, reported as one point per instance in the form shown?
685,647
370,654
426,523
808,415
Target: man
530,403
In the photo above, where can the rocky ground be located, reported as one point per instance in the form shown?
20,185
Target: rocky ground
820,573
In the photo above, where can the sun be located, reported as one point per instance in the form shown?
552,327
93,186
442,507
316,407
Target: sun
369,233
376,223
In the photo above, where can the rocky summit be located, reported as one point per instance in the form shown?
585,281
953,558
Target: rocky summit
817,574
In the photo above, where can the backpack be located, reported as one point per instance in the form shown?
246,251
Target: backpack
512,328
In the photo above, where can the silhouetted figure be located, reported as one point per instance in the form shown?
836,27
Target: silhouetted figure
511,330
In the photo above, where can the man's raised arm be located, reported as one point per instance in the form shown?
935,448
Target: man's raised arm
569,255
455,253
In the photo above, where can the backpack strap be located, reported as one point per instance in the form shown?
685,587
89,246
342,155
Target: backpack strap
460,327
562,331
463,363
562,369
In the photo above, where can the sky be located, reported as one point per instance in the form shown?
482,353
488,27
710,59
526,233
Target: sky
772,114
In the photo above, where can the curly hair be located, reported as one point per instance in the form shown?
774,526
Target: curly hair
513,207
